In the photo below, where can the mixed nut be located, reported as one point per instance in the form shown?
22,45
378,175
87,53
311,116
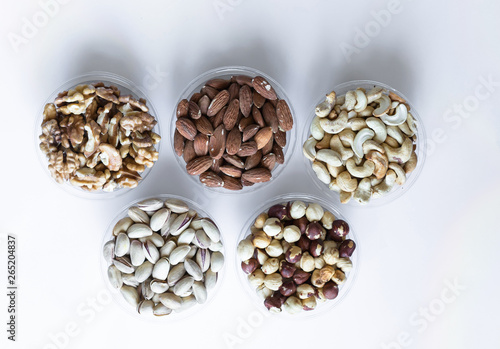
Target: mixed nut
232,133
98,139
362,143
296,256
164,257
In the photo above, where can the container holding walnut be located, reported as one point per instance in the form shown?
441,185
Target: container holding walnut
233,129
98,135
297,255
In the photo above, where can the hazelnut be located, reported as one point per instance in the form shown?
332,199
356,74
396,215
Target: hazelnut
301,223
245,249
305,291
313,231
316,248
272,226
316,279
330,290
309,303
256,278
320,296
271,266
274,249
293,305
329,244
291,233
293,255
346,248
261,256
344,264
288,288
327,220
300,276
306,262
326,273
304,243
279,236
259,221
339,230
338,277
273,304
273,281
261,239
331,256
249,265
314,212
278,211
286,246
297,209
287,269
263,292
319,262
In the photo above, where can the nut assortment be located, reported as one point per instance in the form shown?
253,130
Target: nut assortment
96,138
296,256
232,133
363,143
164,257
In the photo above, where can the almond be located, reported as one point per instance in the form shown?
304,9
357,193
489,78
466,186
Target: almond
178,143
247,149
189,153
253,160
194,110
243,80
250,131
234,91
231,170
204,126
210,179
195,97
258,100
186,128
198,165
209,91
263,136
269,114
269,161
246,183
257,116
233,141
182,108
257,175
246,100
284,115
280,138
216,163
234,160
264,88
231,115
217,144
219,117
218,83
201,144
244,122
218,103
268,147
231,183
280,157
203,103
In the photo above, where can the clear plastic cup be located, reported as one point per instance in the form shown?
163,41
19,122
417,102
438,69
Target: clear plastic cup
226,73
115,293
350,276
126,87
421,144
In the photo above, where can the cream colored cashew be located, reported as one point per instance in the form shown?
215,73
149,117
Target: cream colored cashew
411,164
362,136
351,115
345,196
335,170
375,181
379,128
309,148
386,186
395,132
325,142
357,160
347,137
374,94
316,130
368,111
361,99
331,157
357,124
381,163
406,129
400,155
400,173
392,142
339,101
384,104
324,108
334,186
363,192
336,144
321,172
412,124
350,101
370,145
346,182
398,118
336,125
363,171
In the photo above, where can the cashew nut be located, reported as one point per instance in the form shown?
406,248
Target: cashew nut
336,125
361,99
347,137
398,118
411,164
386,186
321,171
345,196
350,101
368,111
375,181
395,132
378,127
357,124
363,192
331,157
336,144
412,124
372,145
309,148
400,173
396,97
325,142
316,130
362,136
384,104
334,186
346,182
351,115
381,163
401,154
363,171
325,107
335,170
374,94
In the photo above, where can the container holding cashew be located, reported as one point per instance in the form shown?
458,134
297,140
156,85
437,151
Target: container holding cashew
365,142
98,135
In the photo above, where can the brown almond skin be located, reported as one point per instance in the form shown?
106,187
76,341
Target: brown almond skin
280,138
189,153
243,80
263,136
217,143
284,115
218,83
203,103
258,100
209,91
244,123
216,164
217,119
201,144
269,161
246,183
233,141
269,146
269,115
195,97
203,125
231,171
186,128
194,110
257,175
250,131
247,149
182,108
178,143
218,103
234,160
278,151
257,116
231,183
210,179
199,165
231,115
234,91
253,160
264,88
246,100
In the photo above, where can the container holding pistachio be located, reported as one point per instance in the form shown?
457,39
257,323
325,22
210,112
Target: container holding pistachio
296,253
164,255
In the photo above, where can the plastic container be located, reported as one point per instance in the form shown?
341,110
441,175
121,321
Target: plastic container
117,296
421,151
126,87
227,72
344,289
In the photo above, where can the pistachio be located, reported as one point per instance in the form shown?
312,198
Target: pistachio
179,253
176,205
161,310
167,248
115,277
180,224
187,302
144,271
150,204
130,280
161,269
159,286
210,279
130,295
151,251
186,237
199,292
203,259
146,291
165,229
216,262
183,285
145,307
124,265
210,229
138,215
201,239
137,256
139,230
108,251
176,273
122,225
193,269
216,246
171,300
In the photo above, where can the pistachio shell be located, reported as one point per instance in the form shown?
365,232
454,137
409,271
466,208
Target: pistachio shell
217,262
178,254
210,229
176,273
144,271
193,269
171,300
161,310
159,286
150,204
115,277
122,225
145,307
210,279
183,285
203,259
151,251
159,219
139,230
124,265
176,205
138,215
137,256
108,251
167,248
130,294
130,280
122,245
161,269
200,292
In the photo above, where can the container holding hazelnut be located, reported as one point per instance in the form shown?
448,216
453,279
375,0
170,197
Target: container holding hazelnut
297,253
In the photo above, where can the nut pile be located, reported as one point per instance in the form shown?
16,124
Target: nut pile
232,133
98,139
164,257
296,256
362,143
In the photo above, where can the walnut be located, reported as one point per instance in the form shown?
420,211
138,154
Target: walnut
51,136
132,165
72,128
138,104
113,129
107,94
63,164
49,112
141,140
91,111
89,178
137,121
94,138
110,157
103,117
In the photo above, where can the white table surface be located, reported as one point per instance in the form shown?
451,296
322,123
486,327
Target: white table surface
443,230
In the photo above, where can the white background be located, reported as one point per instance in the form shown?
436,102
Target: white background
444,228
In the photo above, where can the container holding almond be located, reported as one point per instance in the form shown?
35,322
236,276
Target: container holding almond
232,129
98,135
297,254
365,143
